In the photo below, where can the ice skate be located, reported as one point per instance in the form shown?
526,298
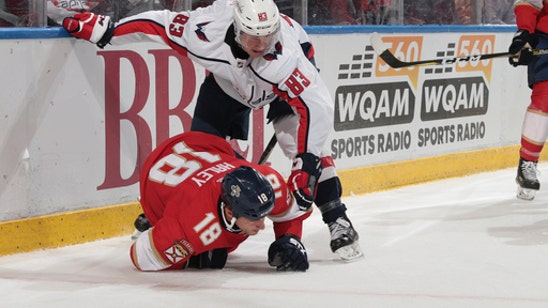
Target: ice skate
344,239
527,179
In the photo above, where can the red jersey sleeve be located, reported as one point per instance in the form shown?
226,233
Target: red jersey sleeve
286,215
526,16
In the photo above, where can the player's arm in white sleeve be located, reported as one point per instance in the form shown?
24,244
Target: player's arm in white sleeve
152,26
296,79
307,94
304,40
164,27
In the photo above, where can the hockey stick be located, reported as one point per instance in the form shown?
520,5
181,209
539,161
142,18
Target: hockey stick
268,150
394,62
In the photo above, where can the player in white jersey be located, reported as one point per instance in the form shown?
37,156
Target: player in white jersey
255,57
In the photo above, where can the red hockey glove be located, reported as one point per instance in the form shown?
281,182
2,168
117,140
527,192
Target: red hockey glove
303,180
90,27
521,46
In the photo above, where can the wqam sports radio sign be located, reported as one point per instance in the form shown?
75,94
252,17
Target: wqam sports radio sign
380,109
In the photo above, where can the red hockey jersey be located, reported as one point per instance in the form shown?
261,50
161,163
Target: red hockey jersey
180,186
532,15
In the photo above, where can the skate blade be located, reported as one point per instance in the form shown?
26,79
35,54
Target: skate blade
350,253
526,193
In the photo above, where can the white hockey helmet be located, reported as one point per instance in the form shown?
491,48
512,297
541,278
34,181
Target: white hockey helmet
256,17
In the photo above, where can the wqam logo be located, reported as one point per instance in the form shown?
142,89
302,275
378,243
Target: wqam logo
372,105
393,101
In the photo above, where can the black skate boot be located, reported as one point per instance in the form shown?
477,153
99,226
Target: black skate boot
527,179
141,225
344,239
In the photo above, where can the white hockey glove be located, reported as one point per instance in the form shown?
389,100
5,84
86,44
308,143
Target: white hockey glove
97,29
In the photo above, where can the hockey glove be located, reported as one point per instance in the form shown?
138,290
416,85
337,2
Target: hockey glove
521,46
303,179
97,29
288,254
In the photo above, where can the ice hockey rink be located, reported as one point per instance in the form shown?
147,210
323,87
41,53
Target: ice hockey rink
462,242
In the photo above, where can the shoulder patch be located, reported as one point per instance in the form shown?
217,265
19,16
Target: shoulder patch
178,251
278,49
199,31
287,20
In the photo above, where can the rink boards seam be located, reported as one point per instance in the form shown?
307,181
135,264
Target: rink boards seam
88,225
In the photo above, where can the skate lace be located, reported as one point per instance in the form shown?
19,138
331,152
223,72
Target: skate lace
339,228
530,171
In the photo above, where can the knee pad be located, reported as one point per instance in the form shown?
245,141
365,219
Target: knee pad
327,191
328,199
329,186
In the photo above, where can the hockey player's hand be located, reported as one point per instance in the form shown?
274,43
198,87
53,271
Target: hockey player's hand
521,46
303,180
288,254
97,29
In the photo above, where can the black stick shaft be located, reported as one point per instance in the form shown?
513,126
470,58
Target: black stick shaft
268,150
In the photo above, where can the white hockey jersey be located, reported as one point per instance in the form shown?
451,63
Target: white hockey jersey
284,70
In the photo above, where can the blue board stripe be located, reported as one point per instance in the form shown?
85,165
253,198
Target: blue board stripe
58,32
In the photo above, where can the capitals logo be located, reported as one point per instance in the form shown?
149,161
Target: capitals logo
200,33
278,48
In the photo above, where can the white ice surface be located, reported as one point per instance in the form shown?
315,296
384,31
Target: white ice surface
465,242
